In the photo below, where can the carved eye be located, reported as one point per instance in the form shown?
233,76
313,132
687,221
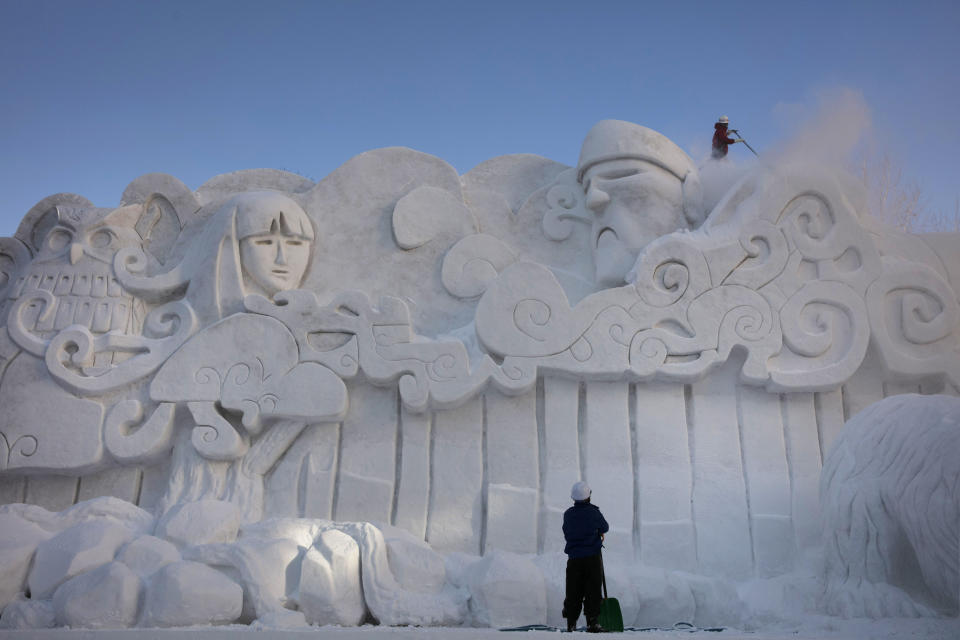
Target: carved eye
101,239
623,173
294,243
59,238
265,242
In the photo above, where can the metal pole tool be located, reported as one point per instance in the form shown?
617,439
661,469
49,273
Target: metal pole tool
739,135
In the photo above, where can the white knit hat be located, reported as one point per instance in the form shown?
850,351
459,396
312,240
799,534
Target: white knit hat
617,140
580,491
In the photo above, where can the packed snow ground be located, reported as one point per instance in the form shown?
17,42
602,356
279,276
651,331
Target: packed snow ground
813,628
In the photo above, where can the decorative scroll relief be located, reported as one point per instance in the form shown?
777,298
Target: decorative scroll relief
914,317
565,207
430,373
791,296
473,263
261,383
71,355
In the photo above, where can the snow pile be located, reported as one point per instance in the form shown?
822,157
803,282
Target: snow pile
890,492
100,564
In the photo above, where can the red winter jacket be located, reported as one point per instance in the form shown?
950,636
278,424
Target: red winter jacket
720,140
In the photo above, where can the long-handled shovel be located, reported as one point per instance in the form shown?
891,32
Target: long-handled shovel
747,144
610,617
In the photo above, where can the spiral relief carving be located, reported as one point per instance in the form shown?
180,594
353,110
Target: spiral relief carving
808,220
915,315
826,333
148,441
23,446
473,263
532,318
565,209
669,271
767,253
72,351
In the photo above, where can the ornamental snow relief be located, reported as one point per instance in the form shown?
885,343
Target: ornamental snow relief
365,399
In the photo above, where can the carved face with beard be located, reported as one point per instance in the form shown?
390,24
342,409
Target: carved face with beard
639,186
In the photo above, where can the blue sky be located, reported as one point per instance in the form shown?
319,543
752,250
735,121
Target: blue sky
94,94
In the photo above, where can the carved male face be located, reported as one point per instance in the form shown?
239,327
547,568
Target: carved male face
634,202
275,261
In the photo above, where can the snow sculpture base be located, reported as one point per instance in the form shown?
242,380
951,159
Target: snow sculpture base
382,386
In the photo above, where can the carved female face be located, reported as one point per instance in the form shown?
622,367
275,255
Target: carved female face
276,238
275,261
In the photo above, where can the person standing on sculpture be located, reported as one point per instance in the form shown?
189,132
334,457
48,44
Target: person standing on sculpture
583,530
720,138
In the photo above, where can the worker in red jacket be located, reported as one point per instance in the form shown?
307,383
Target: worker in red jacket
720,139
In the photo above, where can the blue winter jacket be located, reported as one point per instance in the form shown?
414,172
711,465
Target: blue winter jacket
582,525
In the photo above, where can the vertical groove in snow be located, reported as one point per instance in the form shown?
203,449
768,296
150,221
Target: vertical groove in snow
430,481
688,415
632,414
818,413
302,480
485,480
398,462
746,477
138,488
582,427
336,473
541,462
788,449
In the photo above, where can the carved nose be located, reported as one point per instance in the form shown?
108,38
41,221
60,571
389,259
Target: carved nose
281,258
596,199
76,252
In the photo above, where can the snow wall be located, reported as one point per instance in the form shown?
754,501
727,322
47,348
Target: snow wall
447,354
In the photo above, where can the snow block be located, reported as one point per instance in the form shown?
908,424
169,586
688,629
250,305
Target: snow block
200,522
507,590
718,604
73,551
186,593
28,614
553,566
17,545
113,509
664,599
105,598
414,564
330,591
146,554
269,571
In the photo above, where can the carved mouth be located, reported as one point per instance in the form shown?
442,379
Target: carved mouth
281,272
606,237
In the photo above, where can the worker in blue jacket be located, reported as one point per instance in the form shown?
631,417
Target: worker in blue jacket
583,529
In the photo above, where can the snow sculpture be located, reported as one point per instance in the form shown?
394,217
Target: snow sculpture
639,185
423,362
891,499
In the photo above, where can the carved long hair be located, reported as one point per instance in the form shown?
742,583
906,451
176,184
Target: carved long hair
211,274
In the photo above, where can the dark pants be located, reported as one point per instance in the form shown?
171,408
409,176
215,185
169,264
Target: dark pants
584,576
